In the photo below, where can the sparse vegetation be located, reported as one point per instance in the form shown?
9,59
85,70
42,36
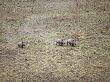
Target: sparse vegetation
39,23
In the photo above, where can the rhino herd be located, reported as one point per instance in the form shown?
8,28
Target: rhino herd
61,42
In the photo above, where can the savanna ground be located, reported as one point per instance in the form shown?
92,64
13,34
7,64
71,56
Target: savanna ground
39,23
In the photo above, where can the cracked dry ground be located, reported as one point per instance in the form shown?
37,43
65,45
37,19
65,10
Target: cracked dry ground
39,23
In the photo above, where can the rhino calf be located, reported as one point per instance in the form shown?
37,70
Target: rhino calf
21,45
71,42
60,42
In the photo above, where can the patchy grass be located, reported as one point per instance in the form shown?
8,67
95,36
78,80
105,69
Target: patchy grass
1,33
39,25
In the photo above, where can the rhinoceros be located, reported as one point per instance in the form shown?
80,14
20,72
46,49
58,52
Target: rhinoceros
71,42
21,44
60,42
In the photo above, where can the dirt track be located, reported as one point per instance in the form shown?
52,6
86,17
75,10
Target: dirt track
39,23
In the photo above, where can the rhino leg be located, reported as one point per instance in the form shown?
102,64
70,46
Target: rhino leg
61,44
72,44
